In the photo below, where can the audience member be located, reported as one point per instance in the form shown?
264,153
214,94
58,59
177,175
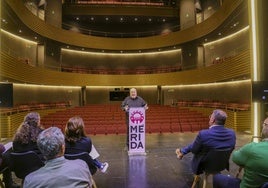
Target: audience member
132,101
4,162
2,150
58,171
216,137
76,141
27,133
24,140
253,158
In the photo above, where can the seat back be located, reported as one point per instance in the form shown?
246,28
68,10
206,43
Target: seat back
216,161
24,163
85,157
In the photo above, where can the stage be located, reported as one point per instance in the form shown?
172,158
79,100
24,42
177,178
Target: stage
159,168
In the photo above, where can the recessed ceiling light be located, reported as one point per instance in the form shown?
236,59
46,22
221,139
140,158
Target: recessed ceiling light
106,18
150,19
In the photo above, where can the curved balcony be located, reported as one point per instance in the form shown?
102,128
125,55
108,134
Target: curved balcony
235,67
153,42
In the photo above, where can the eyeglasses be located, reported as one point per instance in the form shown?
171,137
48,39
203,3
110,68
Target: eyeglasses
265,124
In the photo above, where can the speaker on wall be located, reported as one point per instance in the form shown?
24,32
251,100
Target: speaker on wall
260,91
6,95
118,95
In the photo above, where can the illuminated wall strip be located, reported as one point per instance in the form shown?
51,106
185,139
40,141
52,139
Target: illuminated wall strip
227,37
17,37
112,87
124,54
208,84
46,86
254,40
255,119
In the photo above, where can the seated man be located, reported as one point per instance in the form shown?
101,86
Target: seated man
58,171
253,158
216,137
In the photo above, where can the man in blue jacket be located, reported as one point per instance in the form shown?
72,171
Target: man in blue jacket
216,137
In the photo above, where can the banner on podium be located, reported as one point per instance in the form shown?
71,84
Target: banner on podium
136,131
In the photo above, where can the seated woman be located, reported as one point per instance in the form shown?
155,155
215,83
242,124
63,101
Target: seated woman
24,140
27,133
76,141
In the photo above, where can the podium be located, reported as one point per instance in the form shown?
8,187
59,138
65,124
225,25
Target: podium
136,131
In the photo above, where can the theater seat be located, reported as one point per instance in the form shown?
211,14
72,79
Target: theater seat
214,162
24,163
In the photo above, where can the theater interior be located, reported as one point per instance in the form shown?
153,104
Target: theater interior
64,58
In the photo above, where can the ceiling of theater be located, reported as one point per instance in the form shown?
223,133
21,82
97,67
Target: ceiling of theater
122,25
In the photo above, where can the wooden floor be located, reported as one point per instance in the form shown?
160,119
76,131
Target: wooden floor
158,169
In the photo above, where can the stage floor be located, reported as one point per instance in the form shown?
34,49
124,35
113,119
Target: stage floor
159,168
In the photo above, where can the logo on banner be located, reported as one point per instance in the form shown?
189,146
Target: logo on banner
136,117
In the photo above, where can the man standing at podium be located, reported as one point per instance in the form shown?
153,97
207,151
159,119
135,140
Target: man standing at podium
132,101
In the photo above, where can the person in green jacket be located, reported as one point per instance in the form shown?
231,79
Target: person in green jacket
253,158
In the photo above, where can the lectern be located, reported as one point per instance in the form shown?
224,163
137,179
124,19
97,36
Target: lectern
136,131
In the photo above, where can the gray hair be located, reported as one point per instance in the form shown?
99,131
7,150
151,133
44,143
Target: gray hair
220,117
50,142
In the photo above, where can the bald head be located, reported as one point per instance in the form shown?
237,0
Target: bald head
133,93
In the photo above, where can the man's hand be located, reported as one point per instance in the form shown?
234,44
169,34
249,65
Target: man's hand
146,107
126,108
179,153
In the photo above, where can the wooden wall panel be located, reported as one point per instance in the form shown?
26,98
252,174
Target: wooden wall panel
236,67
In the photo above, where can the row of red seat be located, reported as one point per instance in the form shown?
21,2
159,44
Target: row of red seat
148,70
33,106
216,104
158,120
